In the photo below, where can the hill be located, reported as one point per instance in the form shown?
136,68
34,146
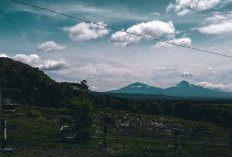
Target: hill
35,87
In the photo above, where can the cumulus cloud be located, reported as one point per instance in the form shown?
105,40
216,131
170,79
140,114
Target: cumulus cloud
124,39
28,59
217,25
50,46
183,7
221,87
93,88
3,56
217,28
179,41
86,31
35,61
154,29
187,75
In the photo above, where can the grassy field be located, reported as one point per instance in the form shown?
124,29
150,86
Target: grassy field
34,132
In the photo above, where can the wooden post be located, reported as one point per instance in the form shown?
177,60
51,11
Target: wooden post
105,136
231,141
1,100
176,134
3,133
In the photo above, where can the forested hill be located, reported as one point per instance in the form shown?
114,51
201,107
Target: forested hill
35,87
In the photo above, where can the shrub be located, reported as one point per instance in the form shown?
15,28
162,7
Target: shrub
33,114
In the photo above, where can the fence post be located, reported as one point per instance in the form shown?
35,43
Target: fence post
176,134
3,133
105,136
231,141
1,100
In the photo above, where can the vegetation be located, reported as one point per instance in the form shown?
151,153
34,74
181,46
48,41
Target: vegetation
81,118
135,127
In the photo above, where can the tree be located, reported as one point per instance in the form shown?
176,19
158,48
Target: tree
81,119
83,86
201,129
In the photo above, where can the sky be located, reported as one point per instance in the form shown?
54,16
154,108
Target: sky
70,50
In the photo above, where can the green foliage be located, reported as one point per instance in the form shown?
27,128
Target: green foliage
198,130
33,113
108,119
81,118
220,113
30,139
83,86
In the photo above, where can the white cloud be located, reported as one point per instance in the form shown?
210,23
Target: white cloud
124,39
217,24
50,46
217,28
88,11
187,75
103,70
154,29
165,68
52,65
154,14
28,59
183,12
93,88
180,41
35,61
3,56
151,68
86,31
183,7
222,87
100,72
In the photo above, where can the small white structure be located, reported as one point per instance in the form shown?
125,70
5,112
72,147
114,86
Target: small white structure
7,100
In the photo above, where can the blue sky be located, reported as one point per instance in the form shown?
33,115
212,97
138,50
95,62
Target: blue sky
71,50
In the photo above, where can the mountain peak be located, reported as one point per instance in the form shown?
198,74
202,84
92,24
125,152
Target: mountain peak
138,85
183,84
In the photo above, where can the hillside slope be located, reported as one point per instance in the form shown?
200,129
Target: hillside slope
35,87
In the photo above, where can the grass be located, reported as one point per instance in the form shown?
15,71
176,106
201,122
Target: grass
34,132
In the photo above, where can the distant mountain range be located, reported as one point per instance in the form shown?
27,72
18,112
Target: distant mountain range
182,89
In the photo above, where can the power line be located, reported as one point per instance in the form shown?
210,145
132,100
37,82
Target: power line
201,12
115,29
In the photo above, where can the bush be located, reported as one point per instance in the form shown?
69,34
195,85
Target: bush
33,114
109,119
197,130
81,118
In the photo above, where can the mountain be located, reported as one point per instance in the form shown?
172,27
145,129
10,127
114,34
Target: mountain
182,89
138,88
